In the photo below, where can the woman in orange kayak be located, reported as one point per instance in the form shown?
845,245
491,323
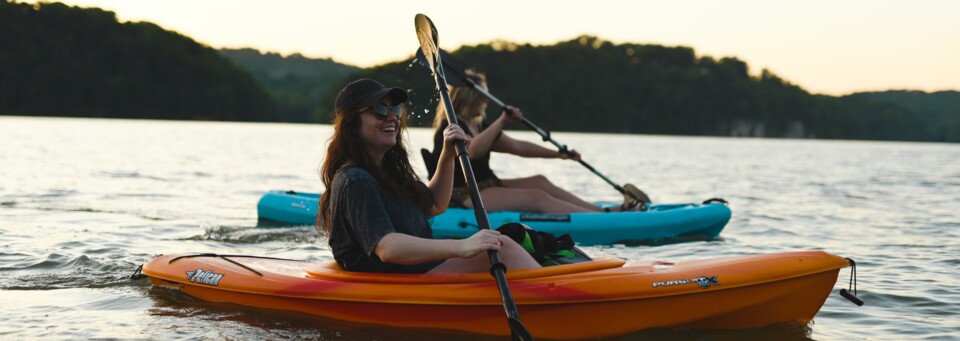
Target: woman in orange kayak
375,208
530,194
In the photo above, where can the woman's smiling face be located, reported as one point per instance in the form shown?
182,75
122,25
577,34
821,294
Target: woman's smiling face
379,132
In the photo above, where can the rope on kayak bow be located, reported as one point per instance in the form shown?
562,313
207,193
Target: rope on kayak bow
224,257
852,285
137,274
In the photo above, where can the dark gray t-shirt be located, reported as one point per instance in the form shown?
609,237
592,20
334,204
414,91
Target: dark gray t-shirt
362,212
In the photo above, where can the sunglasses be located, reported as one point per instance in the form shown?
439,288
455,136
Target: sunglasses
383,110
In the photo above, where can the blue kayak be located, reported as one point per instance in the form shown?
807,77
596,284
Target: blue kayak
661,223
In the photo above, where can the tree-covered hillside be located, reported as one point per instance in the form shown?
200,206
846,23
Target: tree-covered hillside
588,84
941,108
58,60
296,83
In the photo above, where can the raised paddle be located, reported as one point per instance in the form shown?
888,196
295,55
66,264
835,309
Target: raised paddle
427,33
456,77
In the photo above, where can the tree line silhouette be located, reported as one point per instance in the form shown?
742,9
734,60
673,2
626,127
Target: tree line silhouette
58,60
296,83
588,84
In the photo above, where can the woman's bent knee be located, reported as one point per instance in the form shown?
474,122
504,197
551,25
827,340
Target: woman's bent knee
515,256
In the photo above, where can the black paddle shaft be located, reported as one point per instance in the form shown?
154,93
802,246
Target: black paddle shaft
497,269
545,134
427,34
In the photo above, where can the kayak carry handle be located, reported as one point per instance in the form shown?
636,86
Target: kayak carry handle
852,285
851,297
717,201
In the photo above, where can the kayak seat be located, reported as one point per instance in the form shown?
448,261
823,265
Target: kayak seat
429,161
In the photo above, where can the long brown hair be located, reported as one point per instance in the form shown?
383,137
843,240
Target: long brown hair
394,172
464,98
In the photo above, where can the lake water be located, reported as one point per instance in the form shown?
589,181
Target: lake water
83,202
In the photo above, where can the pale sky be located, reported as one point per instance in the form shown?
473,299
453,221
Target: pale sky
825,46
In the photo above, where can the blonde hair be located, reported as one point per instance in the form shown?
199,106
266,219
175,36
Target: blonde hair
465,101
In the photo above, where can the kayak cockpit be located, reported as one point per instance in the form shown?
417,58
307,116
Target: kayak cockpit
330,270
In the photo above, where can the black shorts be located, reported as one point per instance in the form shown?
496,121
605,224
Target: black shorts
462,193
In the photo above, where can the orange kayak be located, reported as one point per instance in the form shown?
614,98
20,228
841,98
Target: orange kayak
599,298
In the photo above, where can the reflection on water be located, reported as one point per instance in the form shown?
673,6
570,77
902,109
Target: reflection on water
238,322
84,201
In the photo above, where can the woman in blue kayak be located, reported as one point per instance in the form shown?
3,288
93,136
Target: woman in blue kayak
375,208
529,194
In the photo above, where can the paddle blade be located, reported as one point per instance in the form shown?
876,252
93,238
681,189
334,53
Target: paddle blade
422,60
427,34
632,192
517,330
452,70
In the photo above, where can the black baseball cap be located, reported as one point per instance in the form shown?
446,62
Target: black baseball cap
366,92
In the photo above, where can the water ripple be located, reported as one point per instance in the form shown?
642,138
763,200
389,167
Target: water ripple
61,272
247,235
